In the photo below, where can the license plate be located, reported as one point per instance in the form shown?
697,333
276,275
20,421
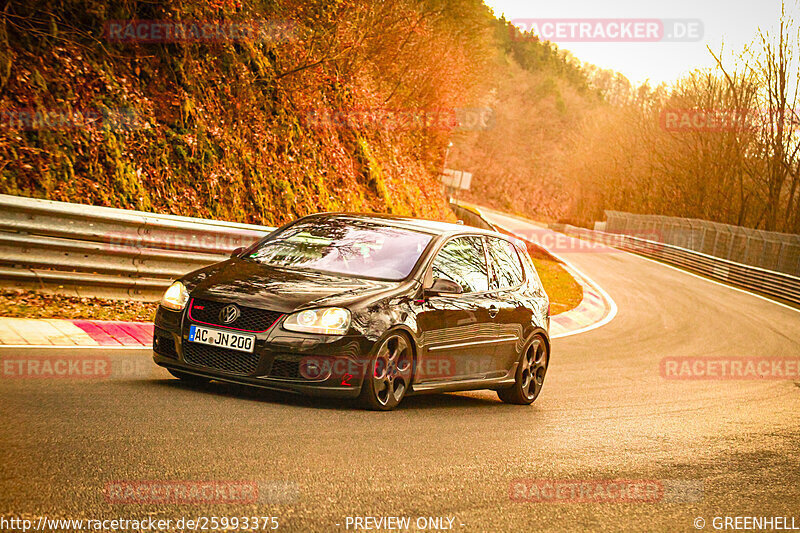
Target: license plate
224,339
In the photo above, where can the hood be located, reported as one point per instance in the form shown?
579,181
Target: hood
280,289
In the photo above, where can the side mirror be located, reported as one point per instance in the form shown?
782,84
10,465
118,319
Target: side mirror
443,286
237,251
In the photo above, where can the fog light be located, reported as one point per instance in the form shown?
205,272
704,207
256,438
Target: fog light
316,369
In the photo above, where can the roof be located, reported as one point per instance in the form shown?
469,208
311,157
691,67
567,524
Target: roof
418,224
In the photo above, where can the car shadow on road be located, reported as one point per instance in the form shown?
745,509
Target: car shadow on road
232,390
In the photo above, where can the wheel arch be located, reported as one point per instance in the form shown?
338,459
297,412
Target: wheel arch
413,343
542,333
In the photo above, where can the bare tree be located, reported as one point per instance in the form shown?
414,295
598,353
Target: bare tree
778,72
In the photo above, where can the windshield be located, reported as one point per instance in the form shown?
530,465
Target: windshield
344,246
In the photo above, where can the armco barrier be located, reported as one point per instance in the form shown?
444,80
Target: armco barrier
469,217
777,284
102,251
91,250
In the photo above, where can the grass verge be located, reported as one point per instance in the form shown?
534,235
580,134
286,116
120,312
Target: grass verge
31,304
565,293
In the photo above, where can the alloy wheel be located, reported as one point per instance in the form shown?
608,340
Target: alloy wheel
534,367
530,373
391,373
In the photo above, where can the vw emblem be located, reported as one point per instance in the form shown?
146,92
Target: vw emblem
229,314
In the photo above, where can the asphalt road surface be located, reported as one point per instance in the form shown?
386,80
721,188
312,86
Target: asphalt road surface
711,448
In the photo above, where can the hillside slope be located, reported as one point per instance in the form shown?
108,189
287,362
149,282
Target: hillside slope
234,128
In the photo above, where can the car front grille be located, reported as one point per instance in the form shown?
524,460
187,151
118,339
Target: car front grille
250,319
218,358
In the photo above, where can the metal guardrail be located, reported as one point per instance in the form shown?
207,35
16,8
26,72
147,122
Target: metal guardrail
470,217
91,250
777,284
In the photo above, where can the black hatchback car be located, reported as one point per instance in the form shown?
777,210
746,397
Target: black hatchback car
363,306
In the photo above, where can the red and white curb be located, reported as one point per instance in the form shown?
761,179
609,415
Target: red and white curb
596,309
27,332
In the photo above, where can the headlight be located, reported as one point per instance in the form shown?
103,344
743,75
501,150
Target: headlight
328,321
176,297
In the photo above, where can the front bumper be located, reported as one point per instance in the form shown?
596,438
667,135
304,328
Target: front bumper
318,365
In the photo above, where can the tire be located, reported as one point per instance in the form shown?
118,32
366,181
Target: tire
188,378
531,370
388,377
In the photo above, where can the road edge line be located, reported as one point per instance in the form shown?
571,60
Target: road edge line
715,282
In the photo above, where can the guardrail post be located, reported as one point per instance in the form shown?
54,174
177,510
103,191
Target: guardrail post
777,265
730,244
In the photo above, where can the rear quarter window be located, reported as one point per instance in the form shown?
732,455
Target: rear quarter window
506,265
530,269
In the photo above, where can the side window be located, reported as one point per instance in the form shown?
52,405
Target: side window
462,260
506,265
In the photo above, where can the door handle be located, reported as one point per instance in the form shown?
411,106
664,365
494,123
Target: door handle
493,310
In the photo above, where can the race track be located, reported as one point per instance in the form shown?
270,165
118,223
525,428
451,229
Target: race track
606,413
